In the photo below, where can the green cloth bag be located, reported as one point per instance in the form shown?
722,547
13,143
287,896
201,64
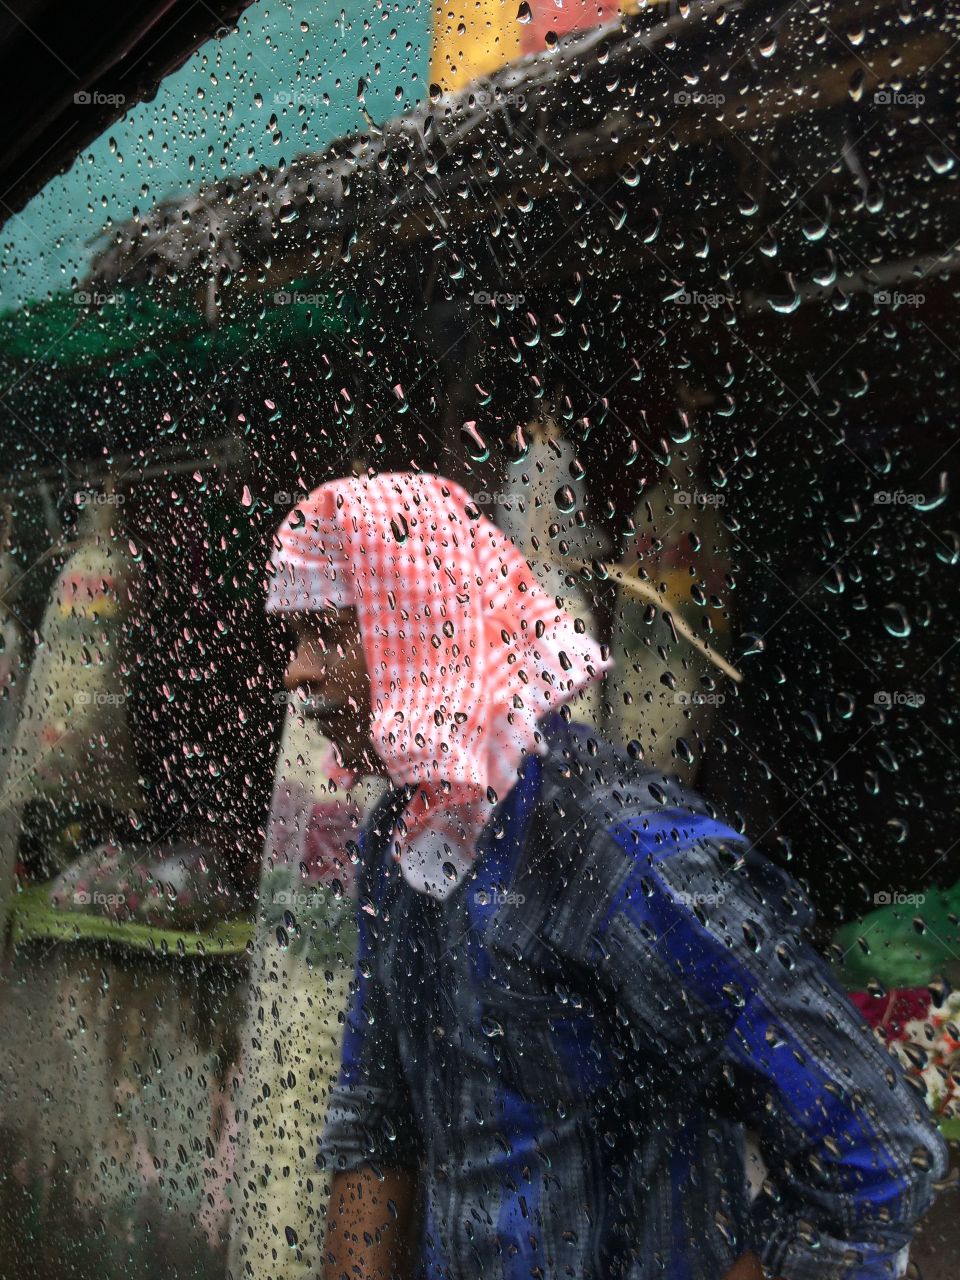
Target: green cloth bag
904,943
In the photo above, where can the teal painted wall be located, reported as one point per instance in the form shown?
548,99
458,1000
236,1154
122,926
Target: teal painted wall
298,62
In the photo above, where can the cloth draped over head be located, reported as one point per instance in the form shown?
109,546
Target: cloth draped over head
465,650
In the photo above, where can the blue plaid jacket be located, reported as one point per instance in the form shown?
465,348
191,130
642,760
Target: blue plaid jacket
567,1048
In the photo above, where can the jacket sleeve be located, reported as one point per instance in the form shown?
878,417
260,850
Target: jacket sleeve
370,1118
851,1149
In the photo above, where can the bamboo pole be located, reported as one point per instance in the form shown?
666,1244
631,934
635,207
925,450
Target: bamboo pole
659,599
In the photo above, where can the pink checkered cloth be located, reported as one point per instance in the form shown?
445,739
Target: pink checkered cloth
465,650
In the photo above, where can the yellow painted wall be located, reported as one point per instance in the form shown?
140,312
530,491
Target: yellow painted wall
472,38
475,37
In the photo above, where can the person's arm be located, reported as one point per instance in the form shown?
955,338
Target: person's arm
852,1151
371,1222
746,1267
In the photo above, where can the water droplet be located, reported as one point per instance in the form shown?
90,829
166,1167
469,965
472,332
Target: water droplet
937,499
786,305
650,235
899,829
474,442
774,1036
769,245
915,1054
809,726
517,445
735,995
565,499
920,1158
752,936
768,45
947,549
939,161
827,274
815,229
784,955
896,621
939,989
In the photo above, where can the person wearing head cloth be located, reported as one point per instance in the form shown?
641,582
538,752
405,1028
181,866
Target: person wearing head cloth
576,984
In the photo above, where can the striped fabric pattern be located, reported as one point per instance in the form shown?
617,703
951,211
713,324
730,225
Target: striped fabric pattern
567,1048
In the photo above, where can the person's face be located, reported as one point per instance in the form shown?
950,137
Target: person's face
328,666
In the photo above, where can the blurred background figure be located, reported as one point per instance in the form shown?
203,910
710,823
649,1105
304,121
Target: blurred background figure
301,968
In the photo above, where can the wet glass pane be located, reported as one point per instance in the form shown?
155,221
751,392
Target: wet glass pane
478,643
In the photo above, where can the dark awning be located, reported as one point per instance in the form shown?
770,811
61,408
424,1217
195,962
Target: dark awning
765,97
67,71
